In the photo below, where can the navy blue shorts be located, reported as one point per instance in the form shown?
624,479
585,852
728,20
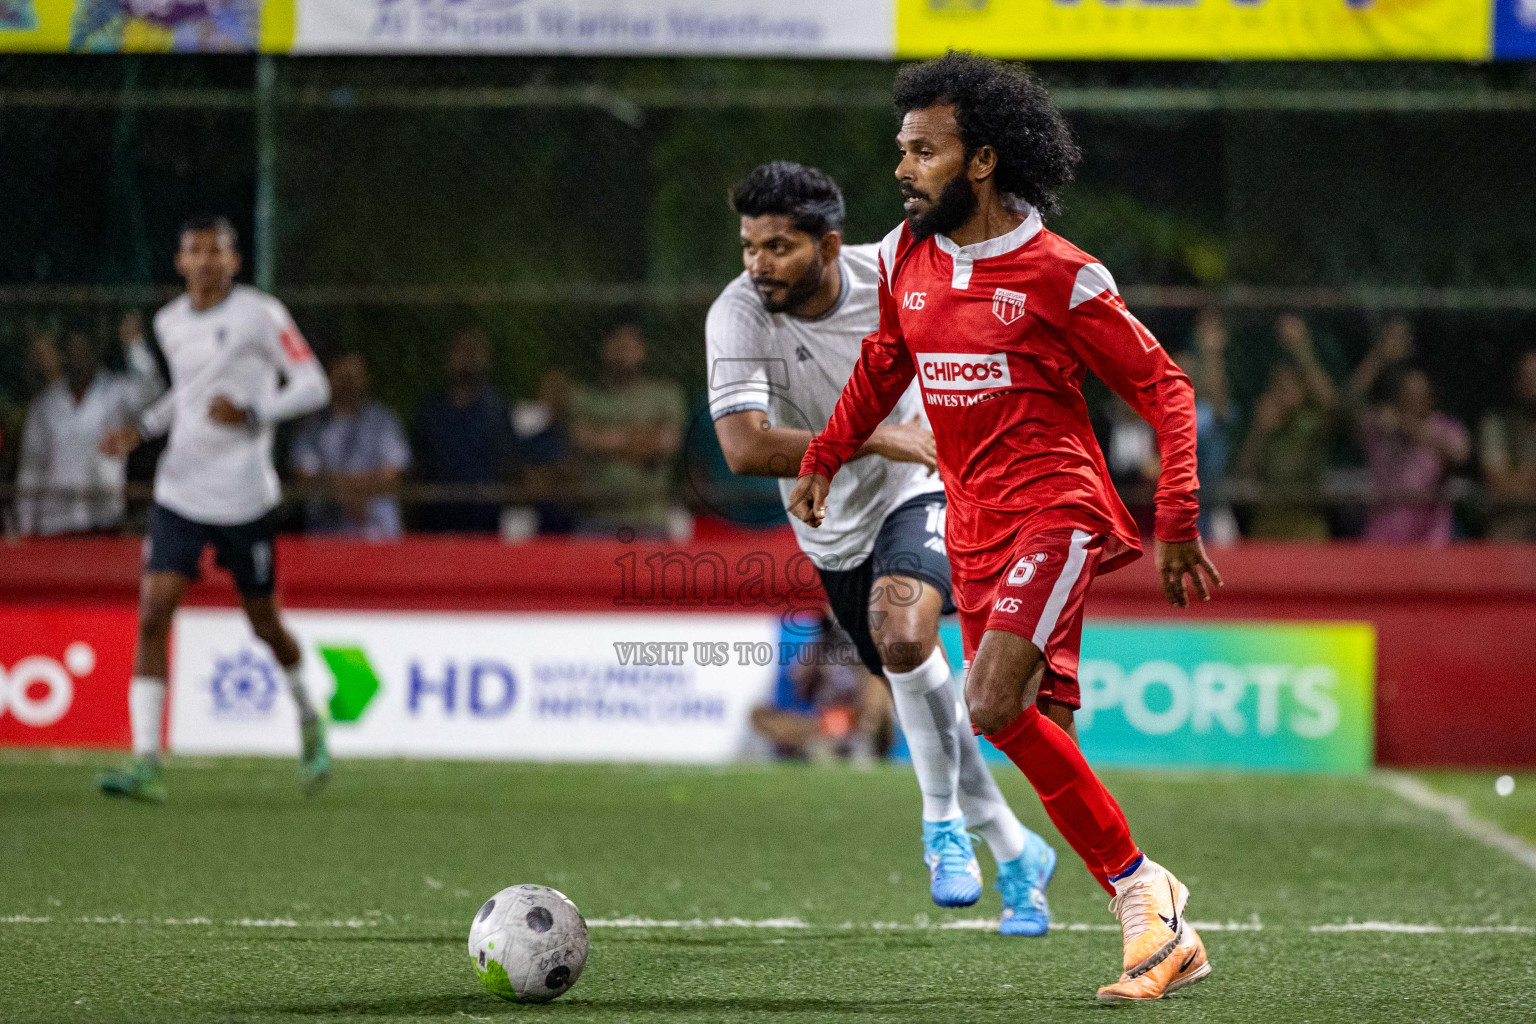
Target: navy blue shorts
176,545
910,544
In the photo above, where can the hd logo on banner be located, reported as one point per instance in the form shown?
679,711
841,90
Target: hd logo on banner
1293,697
519,687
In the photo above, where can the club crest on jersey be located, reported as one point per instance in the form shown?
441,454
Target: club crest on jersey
1007,305
1024,569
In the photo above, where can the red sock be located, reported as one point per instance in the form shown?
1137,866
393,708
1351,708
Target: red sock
1074,798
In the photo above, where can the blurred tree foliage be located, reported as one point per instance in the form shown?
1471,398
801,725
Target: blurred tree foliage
377,200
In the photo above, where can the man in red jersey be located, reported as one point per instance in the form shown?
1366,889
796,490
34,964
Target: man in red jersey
999,320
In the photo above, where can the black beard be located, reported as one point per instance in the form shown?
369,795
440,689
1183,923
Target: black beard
956,204
799,293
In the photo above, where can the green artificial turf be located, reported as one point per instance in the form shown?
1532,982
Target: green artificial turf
1514,813
237,901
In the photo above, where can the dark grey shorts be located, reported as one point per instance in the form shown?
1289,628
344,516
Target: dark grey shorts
176,545
910,544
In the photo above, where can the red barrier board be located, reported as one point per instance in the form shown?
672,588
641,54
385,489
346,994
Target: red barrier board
1456,627
64,675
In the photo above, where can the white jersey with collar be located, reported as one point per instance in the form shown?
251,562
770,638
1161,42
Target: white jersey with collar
248,349
794,369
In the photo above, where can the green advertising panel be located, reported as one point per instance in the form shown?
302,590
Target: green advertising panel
1276,696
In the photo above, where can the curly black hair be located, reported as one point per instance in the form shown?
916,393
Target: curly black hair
1006,108
805,193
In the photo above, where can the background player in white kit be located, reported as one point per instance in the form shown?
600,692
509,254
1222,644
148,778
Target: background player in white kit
238,367
782,340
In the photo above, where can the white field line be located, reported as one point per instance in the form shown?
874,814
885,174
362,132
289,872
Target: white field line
1398,928
785,924
700,922
1454,810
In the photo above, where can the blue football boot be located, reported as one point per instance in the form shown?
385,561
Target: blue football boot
954,875
1022,883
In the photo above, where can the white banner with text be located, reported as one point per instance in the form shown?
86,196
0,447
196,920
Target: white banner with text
598,687
850,28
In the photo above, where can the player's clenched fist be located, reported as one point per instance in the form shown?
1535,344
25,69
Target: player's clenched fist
808,503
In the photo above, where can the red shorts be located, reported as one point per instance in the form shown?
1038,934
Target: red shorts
1040,598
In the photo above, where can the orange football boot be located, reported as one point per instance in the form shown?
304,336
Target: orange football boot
1187,965
1150,905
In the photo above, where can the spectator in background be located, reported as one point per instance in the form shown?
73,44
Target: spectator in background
1410,448
627,431
1130,452
1393,348
544,435
65,484
356,450
44,363
828,704
1206,363
1286,450
463,435
41,367
1507,446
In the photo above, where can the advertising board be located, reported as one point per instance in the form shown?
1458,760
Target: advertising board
64,675
569,687
1266,695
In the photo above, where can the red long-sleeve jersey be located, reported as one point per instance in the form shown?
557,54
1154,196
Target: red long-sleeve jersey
1000,334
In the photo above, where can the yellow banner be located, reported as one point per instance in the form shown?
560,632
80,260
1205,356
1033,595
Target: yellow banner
146,26
1197,29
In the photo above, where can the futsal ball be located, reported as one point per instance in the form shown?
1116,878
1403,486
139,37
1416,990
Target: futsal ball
528,944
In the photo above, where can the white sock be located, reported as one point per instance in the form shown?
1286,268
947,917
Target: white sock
300,692
146,707
985,809
925,707
1145,870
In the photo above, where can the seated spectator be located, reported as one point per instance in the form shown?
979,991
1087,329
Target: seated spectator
828,704
65,485
1287,447
627,431
1206,363
1507,448
543,433
356,450
463,435
1410,450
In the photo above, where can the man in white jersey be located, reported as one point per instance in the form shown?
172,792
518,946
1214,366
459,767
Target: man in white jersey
782,340
238,367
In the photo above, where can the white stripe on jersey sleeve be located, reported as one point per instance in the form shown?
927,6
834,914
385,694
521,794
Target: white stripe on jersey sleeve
1093,279
888,246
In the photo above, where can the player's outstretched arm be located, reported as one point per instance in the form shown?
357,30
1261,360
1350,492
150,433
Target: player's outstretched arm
1178,559
808,502
754,446
881,376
